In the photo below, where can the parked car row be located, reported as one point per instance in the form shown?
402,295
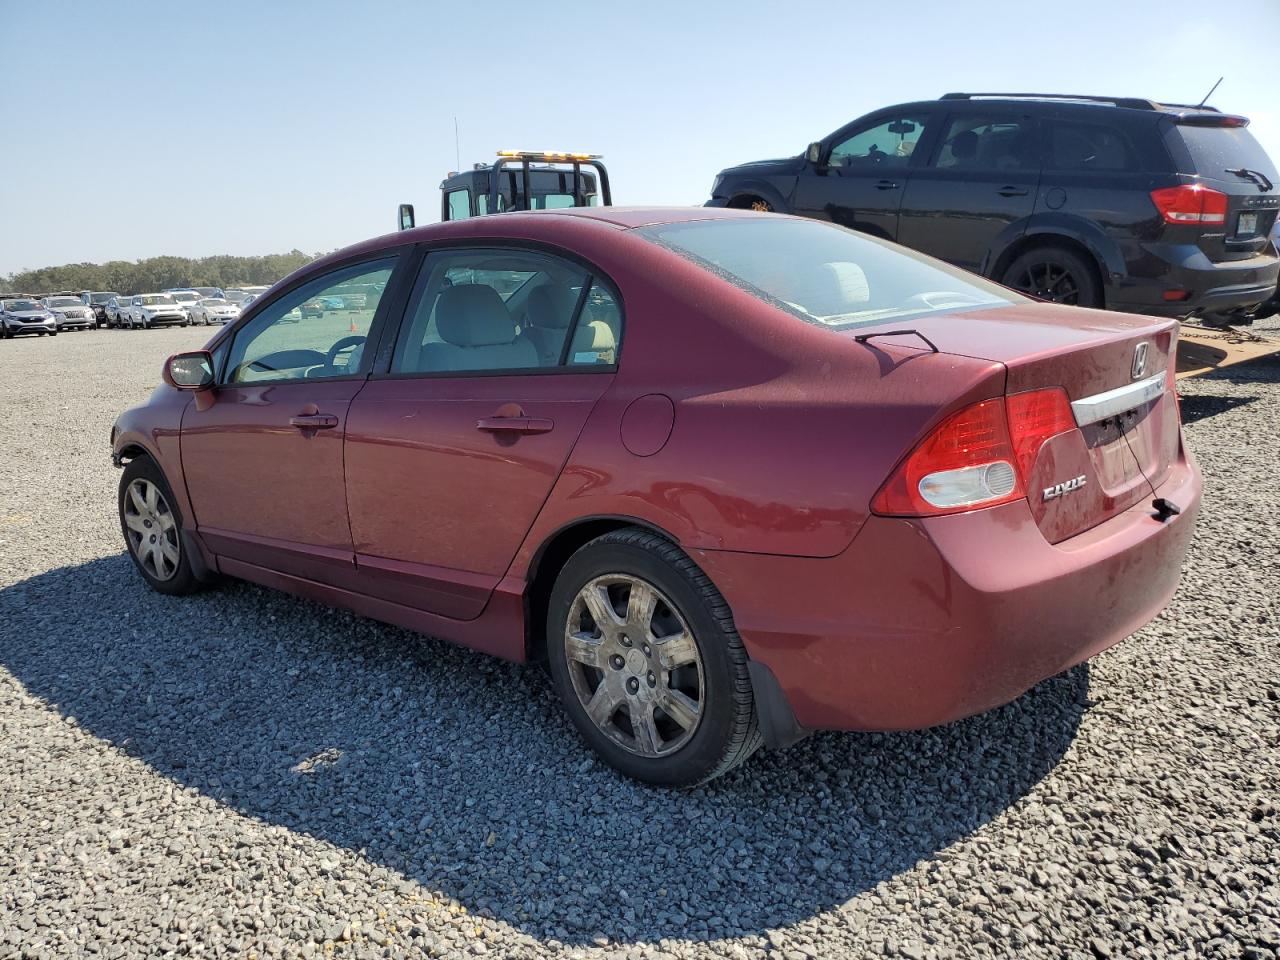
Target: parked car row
24,313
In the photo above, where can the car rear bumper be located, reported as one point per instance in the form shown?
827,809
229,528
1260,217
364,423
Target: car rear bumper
922,622
1212,287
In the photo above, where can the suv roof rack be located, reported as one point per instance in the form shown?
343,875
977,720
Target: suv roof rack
1132,103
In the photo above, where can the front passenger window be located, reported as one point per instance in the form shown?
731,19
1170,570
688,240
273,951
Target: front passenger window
317,331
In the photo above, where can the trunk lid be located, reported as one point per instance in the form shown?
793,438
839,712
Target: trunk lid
1091,355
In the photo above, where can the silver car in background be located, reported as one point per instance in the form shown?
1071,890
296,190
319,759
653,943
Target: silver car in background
117,311
213,310
70,314
21,315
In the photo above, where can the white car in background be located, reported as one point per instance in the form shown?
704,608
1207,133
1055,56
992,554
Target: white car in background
213,310
147,310
70,313
186,299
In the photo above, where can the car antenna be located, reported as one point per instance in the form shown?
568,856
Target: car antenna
1210,93
864,337
457,150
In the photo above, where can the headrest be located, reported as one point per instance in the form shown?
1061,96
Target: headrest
473,315
593,342
964,146
551,306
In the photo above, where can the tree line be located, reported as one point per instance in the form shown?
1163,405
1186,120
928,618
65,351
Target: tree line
157,273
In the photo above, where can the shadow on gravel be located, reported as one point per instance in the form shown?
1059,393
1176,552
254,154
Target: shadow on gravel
1202,406
461,772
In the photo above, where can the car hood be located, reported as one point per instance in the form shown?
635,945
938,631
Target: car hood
28,314
160,307
760,168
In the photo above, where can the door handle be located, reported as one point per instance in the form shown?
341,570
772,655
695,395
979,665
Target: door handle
886,184
1012,191
515,424
313,421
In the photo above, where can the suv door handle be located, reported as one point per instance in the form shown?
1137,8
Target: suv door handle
1012,191
313,421
886,184
515,424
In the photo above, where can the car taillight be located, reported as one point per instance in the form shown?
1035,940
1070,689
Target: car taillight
1191,203
978,457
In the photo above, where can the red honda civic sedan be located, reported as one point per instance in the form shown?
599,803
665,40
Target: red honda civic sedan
733,476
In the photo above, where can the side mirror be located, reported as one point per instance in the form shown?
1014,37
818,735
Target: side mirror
190,371
814,153
406,216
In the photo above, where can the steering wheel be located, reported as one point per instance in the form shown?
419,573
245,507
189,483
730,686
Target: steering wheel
346,343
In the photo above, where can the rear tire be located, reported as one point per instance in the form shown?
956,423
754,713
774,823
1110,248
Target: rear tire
1056,274
660,691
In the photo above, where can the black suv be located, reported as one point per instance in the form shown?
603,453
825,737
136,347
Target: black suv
1116,202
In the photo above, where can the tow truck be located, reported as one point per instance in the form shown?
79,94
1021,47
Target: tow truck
521,180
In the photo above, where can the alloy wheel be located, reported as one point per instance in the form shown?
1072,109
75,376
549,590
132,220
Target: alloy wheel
634,665
761,206
1049,281
151,529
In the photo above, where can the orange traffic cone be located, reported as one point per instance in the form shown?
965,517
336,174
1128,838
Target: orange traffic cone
353,327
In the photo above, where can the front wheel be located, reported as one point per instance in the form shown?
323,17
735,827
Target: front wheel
1055,274
152,529
646,659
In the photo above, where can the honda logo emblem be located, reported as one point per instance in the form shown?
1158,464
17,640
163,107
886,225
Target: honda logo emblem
1139,361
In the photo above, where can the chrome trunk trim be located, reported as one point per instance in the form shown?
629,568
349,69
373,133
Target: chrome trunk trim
1103,405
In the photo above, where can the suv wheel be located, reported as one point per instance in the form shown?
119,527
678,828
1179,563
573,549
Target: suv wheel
152,529
646,659
1055,274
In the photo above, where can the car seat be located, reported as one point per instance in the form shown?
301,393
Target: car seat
476,333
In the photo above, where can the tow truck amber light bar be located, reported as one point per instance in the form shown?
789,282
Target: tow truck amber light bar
548,156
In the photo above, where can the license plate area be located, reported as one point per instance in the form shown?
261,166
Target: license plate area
1247,224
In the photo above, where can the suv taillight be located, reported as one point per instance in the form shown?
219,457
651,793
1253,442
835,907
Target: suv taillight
1191,203
978,457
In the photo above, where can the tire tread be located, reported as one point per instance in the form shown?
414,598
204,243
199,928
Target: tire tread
745,737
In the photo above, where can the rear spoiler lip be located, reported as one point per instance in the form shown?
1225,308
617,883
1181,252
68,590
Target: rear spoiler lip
1210,120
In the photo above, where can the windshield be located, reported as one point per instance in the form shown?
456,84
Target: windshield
213,302
824,274
1215,150
155,299
64,302
17,305
101,297
185,297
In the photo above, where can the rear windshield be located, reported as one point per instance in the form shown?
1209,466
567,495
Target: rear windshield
827,275
1215,150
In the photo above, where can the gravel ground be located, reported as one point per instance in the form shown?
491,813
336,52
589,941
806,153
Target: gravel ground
247,774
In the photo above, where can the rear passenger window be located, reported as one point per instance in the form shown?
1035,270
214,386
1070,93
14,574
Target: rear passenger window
987,143
504,311
1087,146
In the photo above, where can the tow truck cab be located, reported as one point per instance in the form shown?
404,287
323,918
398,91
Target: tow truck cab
521,180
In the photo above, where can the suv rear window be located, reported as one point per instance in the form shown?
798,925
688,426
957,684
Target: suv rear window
824,274
1214,150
